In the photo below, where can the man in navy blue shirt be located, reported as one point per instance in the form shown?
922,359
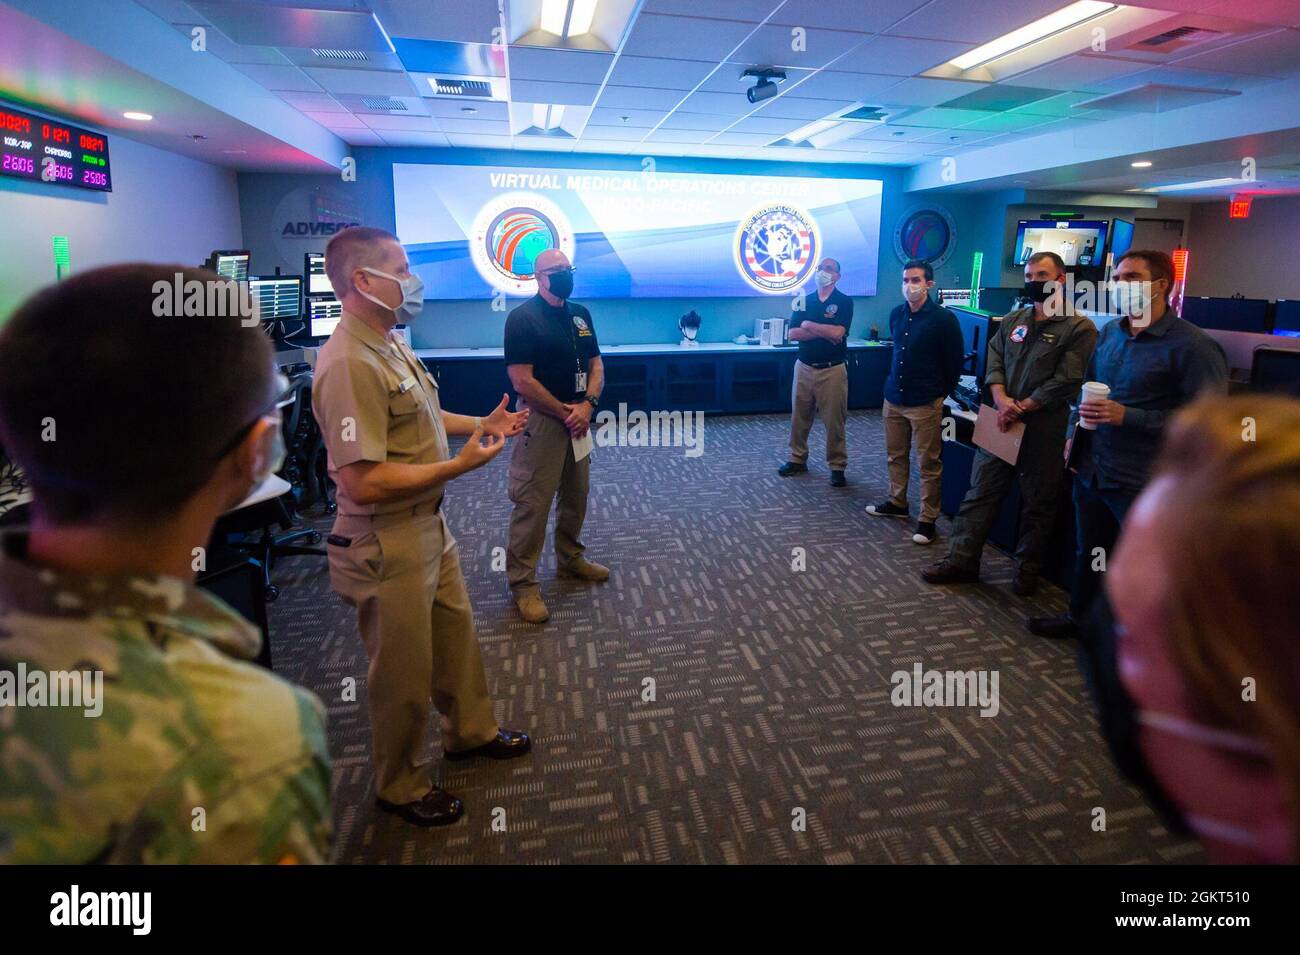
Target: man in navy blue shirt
821,378
928,353
1154,363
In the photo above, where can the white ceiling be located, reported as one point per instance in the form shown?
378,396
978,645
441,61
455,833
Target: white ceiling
668,82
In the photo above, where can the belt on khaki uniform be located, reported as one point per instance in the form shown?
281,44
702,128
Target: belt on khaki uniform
385,519
821,365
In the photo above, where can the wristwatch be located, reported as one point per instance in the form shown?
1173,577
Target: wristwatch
592,400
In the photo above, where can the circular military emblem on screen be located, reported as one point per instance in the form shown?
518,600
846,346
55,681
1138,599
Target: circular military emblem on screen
510,232
777,247
928,234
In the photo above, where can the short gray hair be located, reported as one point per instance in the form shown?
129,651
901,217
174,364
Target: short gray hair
348,251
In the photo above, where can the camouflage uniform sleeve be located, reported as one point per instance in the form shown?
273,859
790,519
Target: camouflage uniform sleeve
258,791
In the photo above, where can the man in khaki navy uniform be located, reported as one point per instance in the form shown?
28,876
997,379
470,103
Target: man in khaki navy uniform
188,752
391,554
1036,364
554,363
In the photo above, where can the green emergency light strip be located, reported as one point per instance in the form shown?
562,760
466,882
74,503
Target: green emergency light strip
976,266
62,257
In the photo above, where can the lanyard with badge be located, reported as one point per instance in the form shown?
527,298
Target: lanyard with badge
579,376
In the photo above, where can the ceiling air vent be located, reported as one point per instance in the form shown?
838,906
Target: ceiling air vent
350,56
383,103
474,89
865,114
1176,39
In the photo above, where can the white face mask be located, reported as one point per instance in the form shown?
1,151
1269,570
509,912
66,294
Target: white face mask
914,293
824,278
412,294
1134,300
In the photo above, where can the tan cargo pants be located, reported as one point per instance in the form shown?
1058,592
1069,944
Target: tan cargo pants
920,426
541,468
824,391
402,574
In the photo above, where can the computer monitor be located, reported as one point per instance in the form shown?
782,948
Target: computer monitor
1276,370
1286,317
1228,314
1121,238
318,282
230,263
277,296
1081,243
323,316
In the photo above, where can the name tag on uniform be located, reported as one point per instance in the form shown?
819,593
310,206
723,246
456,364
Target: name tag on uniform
406,385
579,382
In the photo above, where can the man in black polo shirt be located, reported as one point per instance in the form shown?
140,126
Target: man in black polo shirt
554,364
928,352
821,378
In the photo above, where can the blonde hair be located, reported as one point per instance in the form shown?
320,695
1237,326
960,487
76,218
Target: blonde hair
1233,552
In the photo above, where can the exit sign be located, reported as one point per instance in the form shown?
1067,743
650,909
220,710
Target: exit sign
1239,207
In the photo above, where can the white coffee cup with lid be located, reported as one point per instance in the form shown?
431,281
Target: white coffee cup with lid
1092,391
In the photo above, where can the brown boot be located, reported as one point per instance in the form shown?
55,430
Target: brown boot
532,609
585,569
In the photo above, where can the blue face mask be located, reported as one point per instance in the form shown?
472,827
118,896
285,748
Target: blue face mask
412,295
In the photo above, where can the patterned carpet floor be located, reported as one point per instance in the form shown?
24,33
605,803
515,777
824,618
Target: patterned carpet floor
771,684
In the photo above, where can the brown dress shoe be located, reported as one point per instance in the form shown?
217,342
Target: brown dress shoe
585,569
532,609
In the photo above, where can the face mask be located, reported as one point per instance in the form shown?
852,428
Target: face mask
1037,291
412,294
1134,300
824,278
560,284
914,293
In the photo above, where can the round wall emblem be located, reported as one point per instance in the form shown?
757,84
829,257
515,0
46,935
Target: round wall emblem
510,232
926,233
776,248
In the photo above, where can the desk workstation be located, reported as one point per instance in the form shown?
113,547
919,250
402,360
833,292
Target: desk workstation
830,334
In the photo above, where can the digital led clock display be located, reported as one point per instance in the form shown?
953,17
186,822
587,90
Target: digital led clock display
33,147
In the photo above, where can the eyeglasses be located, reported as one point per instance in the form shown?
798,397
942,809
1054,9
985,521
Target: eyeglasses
559,271
283,398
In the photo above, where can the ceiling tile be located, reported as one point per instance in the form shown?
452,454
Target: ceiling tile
337,120
845,15
724,104
748,11
973,23
924,91
681,120
568,66
364,82
383,105
796,107
940,118
619,133
730,78
1276,55
409,137
767,124
452,107
773,45
642,118
425,124
559,94
659,72
469,21
640,98
741,139
481,127
904,56
277,78
663,135
1083,71
315,102
488,142
686,38
361,137
833,84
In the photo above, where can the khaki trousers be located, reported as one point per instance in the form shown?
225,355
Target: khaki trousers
541,468
824,391
922,426
402,574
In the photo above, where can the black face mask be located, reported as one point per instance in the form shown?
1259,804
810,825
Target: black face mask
1037,291
1116,713
561,284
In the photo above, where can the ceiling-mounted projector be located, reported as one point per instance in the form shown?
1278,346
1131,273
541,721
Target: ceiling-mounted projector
766,87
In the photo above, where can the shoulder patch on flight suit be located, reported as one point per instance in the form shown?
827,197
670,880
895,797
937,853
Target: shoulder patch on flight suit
1019,333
